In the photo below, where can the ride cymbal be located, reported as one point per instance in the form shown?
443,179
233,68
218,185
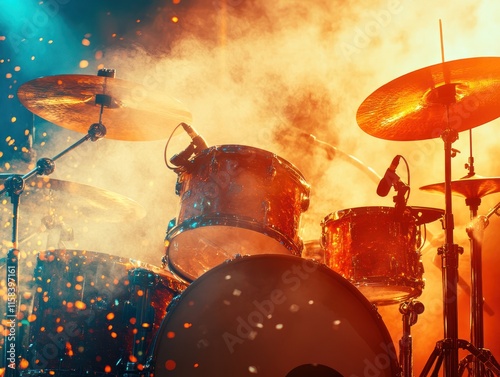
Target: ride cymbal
134,112
459,94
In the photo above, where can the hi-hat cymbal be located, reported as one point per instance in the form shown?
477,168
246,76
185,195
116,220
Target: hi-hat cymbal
459,94
135,111
71,200
470,188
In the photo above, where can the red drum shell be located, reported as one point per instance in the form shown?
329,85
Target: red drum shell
235,200
376,252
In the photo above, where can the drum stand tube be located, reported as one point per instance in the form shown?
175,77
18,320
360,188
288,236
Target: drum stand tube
14,187
410,311
142,283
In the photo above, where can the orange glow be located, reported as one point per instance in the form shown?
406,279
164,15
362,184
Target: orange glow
60,329
171,335
107,369
13,119
132,359
110,316
114,335
187,325
79,278
176,1
84,64
85,42
133,320
23,364
175,19
80,305
32,318
170,365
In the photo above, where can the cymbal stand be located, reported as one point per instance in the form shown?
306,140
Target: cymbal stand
410,311
447,349
14,187
475,231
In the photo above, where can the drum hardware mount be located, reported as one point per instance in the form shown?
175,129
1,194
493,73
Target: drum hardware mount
410,311
14,187
144,281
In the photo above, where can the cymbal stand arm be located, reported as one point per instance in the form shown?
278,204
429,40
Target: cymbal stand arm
14,187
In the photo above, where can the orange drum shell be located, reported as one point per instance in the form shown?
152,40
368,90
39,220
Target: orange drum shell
376,252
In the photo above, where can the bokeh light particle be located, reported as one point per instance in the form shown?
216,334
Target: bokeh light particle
84,63
175,19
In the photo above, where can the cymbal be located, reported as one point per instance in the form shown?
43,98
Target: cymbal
135,113
49,196
473,187
425,215
459,94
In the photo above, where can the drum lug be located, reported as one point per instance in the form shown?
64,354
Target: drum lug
171,224
266,207
304,203
271,172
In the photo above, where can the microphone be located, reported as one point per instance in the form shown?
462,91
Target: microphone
389,179
198,141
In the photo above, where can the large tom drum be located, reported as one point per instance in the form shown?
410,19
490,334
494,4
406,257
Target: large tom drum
377,251
235,200
95,314
273,315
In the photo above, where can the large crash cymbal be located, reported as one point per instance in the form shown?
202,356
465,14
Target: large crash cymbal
71,200
135,112
470,188
415,106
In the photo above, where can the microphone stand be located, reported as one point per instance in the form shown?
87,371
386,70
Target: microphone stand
14,187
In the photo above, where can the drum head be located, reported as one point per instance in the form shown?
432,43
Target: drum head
273,315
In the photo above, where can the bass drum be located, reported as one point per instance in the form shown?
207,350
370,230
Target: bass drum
273,315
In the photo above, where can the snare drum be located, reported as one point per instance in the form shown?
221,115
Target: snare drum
95,314
235,200
377,252
273,315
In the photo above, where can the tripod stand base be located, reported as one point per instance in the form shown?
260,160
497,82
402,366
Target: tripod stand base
483,356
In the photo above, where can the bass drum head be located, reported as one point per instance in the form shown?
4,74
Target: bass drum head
273,315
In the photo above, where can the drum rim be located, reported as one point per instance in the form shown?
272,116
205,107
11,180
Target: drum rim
232,148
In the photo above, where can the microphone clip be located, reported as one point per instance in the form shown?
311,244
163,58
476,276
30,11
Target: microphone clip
181,159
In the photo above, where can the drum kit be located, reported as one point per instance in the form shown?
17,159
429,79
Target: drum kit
236,294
